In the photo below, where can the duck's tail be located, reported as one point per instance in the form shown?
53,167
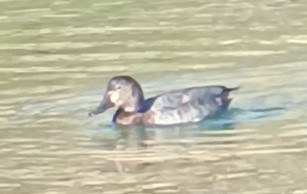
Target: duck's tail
232,89
225,96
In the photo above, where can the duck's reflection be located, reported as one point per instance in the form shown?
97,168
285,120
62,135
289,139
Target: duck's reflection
132,137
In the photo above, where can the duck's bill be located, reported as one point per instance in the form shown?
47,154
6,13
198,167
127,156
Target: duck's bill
102,107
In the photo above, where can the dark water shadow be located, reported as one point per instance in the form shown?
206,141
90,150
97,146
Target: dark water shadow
253,115
233,116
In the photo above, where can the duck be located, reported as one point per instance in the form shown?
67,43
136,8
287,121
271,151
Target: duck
179,106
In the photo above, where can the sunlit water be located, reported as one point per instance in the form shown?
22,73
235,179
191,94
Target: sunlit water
56,57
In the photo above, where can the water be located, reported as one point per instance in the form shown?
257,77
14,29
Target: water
57,55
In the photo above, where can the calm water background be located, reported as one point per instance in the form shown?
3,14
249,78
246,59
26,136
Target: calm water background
55,57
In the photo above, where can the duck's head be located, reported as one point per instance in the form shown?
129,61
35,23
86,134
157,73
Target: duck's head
122,92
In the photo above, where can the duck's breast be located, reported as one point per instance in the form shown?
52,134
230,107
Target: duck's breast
126,118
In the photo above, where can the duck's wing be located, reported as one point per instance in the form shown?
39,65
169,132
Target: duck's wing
188,105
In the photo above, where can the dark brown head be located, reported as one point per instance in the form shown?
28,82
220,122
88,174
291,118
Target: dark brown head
122,92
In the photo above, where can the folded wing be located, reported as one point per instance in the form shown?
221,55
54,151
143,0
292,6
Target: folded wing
189,105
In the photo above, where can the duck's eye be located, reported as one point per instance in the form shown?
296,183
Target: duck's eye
118,87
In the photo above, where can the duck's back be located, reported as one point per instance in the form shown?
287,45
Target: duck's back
187,105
